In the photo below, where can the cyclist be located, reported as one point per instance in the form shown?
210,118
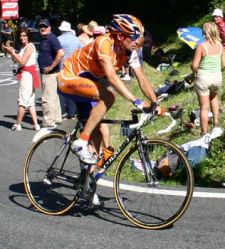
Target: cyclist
91,70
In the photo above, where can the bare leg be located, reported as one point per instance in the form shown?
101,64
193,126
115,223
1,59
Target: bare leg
204,108
104,129
214,104
96,140
98,112
20,114
33,114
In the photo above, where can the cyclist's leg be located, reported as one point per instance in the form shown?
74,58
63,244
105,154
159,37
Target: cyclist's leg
84,109
84,106
101,132
88,88
97,113
99,135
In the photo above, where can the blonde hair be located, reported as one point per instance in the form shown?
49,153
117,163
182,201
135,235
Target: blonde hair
211,32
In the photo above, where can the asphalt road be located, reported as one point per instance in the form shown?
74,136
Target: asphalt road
21,227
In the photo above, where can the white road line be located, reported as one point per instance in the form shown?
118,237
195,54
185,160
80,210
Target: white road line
11,83
6,79
6,73
209,195
106,183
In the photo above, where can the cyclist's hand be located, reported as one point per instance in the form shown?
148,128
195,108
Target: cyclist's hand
160,110
141,105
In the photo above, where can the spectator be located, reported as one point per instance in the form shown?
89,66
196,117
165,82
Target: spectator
7,38
79,28
206,64
87,35
219,21
28,79
1,24
147,46
69,43
12,24
126,72
23,22
49,57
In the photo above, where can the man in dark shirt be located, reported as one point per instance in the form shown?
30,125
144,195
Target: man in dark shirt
49,57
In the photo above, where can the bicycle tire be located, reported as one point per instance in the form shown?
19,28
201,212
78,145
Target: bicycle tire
156,206
59,196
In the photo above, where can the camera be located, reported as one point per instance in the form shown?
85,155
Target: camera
14,71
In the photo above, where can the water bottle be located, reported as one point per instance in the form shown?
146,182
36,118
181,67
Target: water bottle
105,155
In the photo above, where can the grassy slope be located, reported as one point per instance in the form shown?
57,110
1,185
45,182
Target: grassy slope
211,171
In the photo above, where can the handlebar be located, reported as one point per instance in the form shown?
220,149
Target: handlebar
170,126
149,117
144,117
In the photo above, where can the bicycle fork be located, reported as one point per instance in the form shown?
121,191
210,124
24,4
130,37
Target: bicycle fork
147,165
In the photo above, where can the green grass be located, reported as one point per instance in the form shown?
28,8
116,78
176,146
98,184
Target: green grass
211,171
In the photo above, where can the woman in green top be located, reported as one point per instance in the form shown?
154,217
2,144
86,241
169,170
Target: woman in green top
207,63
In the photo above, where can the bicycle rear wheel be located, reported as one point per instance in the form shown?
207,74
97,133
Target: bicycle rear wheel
50,174
155,196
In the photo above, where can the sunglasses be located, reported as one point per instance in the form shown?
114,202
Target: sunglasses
43,27
133,37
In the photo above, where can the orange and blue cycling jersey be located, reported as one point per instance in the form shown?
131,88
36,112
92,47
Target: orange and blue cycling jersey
82,72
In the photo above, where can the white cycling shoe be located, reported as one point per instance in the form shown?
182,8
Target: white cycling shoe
83,153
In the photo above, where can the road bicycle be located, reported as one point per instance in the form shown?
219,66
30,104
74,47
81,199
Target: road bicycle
153,181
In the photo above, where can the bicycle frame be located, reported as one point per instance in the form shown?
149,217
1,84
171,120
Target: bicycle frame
135,133
137,176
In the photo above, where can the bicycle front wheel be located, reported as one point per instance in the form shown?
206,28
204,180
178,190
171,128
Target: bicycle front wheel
50,173
153,192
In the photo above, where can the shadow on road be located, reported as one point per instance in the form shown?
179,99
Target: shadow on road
6,124
27,119
106,212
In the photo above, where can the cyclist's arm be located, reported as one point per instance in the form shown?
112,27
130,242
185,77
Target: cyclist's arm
144,84
114,79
